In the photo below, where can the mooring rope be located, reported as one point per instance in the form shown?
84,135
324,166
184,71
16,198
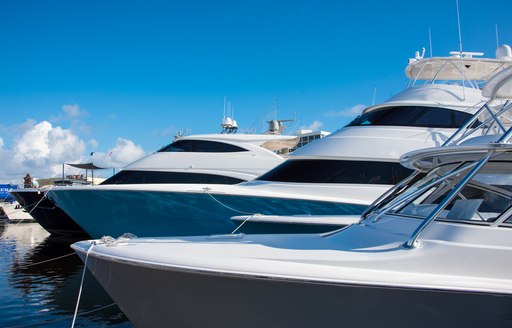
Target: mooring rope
63,318
226,206
243,222
82,283
46,261
104,240
250,215
45,193
79,291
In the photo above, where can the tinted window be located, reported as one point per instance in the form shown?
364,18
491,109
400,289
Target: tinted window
332,171
139,177
202,146
413,116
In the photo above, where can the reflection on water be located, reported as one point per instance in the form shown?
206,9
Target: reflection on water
35,294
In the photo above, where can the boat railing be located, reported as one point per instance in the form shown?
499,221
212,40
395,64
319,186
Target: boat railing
460,67
398,201
413,239
488,120
463,77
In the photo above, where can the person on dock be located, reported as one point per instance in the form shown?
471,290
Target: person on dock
27,181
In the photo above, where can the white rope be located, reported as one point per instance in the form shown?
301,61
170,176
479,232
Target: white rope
226,206
82,283
45,193
243,222
251,215
46,261
45,322
104,240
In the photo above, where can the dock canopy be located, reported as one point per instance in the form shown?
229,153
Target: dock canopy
83,166
87,166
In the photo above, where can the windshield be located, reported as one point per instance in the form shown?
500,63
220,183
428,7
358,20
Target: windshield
337,171
420,116
201,146
481,200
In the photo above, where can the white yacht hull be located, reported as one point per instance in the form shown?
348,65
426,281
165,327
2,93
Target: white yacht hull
158,296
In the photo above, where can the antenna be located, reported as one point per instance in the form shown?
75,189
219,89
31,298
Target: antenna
225,101
374,93
430,42
497,40
458,24
460,49
275,108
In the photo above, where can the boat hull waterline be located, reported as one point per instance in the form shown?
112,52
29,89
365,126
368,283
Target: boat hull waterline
168,214
47,214
190,298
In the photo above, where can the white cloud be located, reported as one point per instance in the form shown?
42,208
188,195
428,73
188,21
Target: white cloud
69,113
351,112
72,111
93,143
73,115
81,127
64,144
124,152
315,126
39,149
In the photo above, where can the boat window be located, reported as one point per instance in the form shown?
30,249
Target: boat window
481,200
140,177
413,116
337,171
201,146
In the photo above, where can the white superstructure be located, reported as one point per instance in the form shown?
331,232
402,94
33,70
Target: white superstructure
342,173
239,157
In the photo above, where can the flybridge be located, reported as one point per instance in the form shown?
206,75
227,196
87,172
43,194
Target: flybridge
460,66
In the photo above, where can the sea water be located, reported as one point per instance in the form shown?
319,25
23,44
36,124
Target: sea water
40,278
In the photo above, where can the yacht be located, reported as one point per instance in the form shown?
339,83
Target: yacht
223,158
433,252
10,209
208,158
341,174
44,211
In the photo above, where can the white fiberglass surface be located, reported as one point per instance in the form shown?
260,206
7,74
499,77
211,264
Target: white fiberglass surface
374,142
360,254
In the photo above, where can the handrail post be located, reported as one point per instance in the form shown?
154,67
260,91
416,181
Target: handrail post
398,201
412,242
387,193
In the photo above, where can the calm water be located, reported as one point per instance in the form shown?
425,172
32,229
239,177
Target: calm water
45,294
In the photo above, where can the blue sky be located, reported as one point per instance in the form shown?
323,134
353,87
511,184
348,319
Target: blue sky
122,77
